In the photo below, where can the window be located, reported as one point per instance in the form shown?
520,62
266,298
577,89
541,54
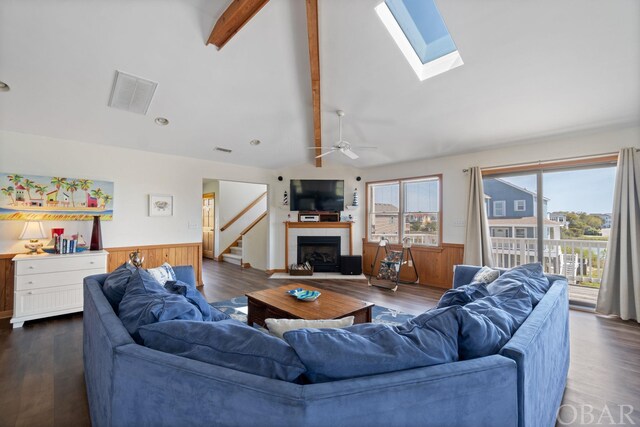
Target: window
499,208
421,35
521,233
519,205
405,208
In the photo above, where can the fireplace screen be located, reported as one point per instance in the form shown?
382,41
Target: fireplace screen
323,253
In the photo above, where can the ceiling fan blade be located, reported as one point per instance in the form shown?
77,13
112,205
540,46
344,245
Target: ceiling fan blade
324,154
350,154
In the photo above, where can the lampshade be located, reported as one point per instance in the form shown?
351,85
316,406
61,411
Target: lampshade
32,230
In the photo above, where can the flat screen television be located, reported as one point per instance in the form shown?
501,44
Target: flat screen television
317,195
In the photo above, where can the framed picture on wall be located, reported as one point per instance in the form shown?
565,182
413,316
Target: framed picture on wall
160,205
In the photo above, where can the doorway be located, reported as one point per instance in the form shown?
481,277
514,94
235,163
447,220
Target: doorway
571,205
235,227
208,225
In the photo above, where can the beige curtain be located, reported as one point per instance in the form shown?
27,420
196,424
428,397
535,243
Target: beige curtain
477,241
620,288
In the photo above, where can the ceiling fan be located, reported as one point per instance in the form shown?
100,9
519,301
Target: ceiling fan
341,145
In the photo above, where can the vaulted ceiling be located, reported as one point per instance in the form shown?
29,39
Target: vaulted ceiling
532,68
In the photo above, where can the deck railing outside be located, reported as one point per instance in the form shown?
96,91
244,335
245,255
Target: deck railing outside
428,239
581,261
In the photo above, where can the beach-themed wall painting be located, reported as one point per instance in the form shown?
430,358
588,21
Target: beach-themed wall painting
54,198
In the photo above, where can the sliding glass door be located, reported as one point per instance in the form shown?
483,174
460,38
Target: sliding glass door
572,207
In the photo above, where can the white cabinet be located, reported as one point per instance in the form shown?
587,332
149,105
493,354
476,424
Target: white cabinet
48,285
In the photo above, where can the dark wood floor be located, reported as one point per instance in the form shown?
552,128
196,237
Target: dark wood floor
41,373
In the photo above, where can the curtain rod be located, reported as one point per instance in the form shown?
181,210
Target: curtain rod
539,162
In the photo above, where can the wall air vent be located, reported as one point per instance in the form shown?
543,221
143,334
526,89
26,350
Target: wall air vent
131,93
224,150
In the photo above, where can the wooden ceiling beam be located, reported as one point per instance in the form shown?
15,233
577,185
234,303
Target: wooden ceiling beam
314,58
233,19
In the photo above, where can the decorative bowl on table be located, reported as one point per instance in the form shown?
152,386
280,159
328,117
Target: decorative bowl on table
304,294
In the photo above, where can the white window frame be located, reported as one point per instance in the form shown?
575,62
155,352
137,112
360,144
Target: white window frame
516,208
423,71
501,203
401,211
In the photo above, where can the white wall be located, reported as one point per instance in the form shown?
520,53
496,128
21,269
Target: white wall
455,182
278,213
135,174
254,245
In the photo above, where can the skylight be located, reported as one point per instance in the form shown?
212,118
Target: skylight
421,34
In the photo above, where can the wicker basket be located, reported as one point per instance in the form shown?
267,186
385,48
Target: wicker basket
301,272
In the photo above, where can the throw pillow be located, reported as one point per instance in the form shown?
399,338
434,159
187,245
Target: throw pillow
463,295
146,302
163,274
531,276
116,283
277,327
192,295
374,348
227,343
486,275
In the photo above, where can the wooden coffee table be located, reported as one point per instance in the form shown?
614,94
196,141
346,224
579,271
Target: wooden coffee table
277,303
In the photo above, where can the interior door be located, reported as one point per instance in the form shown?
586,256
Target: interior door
208,224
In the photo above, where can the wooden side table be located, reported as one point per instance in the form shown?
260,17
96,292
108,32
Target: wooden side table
49,285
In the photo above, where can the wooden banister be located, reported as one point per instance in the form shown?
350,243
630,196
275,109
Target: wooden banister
244,211
245,231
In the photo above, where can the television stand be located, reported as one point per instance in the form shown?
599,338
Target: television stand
323,216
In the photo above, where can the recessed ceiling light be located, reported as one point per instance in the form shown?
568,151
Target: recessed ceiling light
255,142
224,150
4,87
162,121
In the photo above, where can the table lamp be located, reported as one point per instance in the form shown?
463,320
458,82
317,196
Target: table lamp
33,231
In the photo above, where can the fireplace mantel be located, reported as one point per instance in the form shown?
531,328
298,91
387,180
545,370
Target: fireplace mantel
315,225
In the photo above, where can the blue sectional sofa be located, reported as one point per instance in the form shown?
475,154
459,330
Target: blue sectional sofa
131,385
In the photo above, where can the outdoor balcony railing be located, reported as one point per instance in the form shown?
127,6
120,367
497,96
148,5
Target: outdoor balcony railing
427,239
581,261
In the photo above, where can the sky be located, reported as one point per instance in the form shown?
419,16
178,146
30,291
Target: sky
581,190
586,190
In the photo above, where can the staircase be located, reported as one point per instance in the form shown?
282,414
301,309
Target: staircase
235,256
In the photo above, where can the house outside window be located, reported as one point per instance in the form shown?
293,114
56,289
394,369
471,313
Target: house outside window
519,205
499,208
405,208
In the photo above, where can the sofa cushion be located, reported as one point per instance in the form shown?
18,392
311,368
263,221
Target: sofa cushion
192,295
146,302
463,295
478,336
277,327
372,348
486,324
116,283
530,275
227,343
163,274
507,308
486,275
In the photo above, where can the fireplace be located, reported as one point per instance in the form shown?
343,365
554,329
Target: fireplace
322,252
